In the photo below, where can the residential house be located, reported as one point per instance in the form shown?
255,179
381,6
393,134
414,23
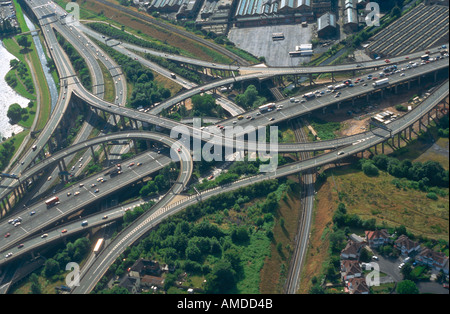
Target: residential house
436,260
131,283
406,246
377,238
358,286
352,250
145,267
350,269
152,281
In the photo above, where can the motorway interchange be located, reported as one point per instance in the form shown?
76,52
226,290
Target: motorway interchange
23,238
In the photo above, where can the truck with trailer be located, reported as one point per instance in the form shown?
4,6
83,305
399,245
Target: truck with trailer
382,82
267,107
52,201
309,96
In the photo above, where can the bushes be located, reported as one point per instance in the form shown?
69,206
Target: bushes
431,173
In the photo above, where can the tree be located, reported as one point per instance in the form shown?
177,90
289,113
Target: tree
407,287
370,169
24,42
222,278
51,268
14,113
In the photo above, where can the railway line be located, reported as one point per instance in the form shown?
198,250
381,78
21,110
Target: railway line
307,207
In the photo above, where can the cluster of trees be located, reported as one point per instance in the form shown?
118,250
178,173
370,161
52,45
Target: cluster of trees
443,126
6,153
21,71
16,113
427,174
73,252
118,34
161,182
250,98
205,105
202,248
79,64
146,91
342,220
7,30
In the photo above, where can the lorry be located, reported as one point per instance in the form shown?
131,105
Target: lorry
381,82
52,201
267,107
309,96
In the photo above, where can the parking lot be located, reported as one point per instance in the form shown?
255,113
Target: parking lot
258,41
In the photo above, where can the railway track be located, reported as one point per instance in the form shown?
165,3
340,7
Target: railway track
307,202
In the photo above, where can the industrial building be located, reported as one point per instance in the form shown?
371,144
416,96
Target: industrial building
326,25
181,8
214,16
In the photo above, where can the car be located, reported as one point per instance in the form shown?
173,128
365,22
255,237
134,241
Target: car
139,164
68,193
403,74
49,178
105,217
93,185
365,84
9,254
271,119
445,285
32,213
211,177
64,231
375,258
96,191
401,265
81,185
20,246
7,235
44,235
340,153
131,164
387,61
76,193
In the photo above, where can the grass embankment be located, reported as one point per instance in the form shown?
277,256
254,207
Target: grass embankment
92,10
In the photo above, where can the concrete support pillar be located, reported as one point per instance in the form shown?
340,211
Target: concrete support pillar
93,153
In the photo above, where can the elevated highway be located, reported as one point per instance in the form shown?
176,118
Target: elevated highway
128,236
